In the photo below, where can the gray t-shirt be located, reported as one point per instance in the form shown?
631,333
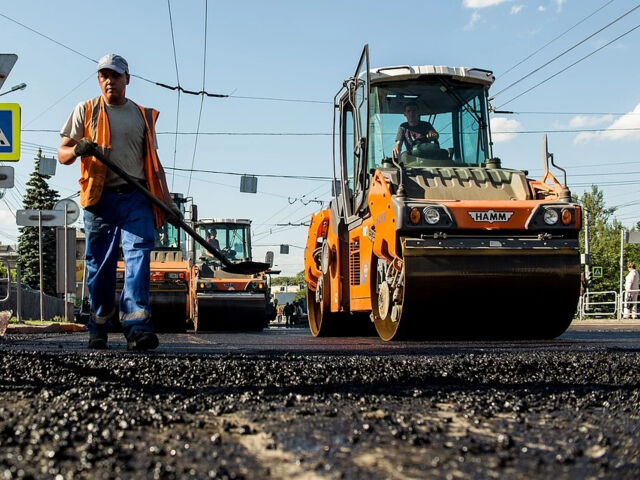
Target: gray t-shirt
127,138
412,134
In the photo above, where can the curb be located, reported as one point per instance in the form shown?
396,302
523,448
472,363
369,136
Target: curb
632,323
51,328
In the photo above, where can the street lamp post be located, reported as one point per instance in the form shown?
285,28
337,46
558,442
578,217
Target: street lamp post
20,86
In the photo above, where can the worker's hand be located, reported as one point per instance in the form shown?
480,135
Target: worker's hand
433,135
85,148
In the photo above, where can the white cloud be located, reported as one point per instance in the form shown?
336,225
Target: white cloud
516,9
583,121
482,3
541,8
559,4
620,129
501,126
475,18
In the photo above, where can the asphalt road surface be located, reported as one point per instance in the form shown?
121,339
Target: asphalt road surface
281,404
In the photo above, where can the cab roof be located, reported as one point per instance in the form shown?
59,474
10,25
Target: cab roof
406,72
238,221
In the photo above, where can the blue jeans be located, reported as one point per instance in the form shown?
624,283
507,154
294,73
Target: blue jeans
116,218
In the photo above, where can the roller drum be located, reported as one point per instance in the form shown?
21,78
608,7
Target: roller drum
238,311
482,292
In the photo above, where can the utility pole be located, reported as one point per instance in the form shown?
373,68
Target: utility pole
584,300
40,263
620,298
587,252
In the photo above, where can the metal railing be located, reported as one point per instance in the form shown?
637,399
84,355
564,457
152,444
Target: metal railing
599,304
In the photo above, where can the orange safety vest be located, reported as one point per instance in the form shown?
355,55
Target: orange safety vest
93,172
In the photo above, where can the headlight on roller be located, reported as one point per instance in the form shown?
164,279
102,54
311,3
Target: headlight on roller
566,216
431,215
550,216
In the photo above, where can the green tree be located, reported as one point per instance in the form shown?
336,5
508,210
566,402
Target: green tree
39,196
298,279
3,271
604,240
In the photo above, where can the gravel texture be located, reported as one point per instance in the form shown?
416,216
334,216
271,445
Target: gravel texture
470,415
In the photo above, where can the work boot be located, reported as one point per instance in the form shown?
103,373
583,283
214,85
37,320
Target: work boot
98,327
142,340
98,341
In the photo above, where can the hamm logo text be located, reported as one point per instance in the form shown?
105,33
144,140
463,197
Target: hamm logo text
490,216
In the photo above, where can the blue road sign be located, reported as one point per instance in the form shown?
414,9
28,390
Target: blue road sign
9,132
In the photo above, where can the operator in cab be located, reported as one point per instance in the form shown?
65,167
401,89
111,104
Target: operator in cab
212,240
414,131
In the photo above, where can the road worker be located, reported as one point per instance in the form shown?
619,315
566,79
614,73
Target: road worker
114,211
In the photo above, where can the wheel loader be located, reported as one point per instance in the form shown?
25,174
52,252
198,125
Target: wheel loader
436,238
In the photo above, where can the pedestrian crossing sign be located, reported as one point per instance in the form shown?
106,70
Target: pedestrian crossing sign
597,272
9,132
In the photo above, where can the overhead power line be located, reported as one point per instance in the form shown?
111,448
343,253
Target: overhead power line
256,134
312,134
603,174
39,146
606,184
241,97
274,99
571,113
178,87
204,77
235,187
49,38
277,245
575,130
60,99
266,175
566,51
572,65
175,61
628,204
556,38
302,134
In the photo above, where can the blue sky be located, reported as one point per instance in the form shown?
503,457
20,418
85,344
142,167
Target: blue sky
303,51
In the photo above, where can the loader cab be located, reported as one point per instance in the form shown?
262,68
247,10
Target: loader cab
369,110
233,238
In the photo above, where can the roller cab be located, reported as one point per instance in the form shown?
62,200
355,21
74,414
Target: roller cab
434,236
225,301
